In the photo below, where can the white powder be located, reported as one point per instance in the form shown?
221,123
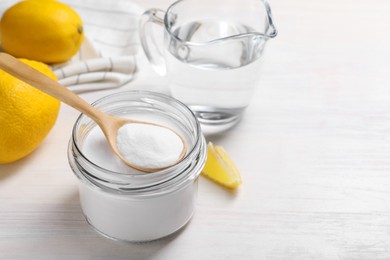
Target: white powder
149,146
131,217
122,202
138,218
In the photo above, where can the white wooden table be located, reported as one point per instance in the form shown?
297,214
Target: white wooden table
313,149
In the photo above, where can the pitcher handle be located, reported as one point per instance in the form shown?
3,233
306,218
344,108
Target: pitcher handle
148,40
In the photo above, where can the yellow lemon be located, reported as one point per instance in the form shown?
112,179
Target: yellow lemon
26,114
220,168
41,30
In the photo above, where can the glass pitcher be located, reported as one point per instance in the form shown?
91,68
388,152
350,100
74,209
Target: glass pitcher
211,53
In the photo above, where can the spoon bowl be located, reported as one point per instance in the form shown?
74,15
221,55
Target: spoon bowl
108,123
110,128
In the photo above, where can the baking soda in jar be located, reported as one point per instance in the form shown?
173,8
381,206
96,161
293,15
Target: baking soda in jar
121,202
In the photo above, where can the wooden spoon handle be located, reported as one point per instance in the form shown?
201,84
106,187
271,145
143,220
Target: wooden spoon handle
42,82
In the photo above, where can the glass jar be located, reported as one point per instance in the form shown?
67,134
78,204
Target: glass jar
120,202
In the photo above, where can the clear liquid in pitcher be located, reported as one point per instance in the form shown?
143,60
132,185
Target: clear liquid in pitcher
214,68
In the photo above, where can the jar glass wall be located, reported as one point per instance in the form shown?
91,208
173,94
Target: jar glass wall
126,204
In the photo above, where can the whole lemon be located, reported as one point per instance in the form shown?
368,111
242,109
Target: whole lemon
41,30
26,114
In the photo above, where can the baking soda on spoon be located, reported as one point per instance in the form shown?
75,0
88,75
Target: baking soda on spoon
149,146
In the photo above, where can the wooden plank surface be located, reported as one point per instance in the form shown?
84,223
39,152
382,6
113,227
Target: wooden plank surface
313,149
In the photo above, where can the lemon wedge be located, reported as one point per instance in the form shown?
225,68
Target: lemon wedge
220,168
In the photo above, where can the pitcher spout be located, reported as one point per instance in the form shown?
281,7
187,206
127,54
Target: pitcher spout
271,32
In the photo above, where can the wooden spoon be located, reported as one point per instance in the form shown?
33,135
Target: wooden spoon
108,123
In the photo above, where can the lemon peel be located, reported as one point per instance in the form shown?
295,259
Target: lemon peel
26,114
46,31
